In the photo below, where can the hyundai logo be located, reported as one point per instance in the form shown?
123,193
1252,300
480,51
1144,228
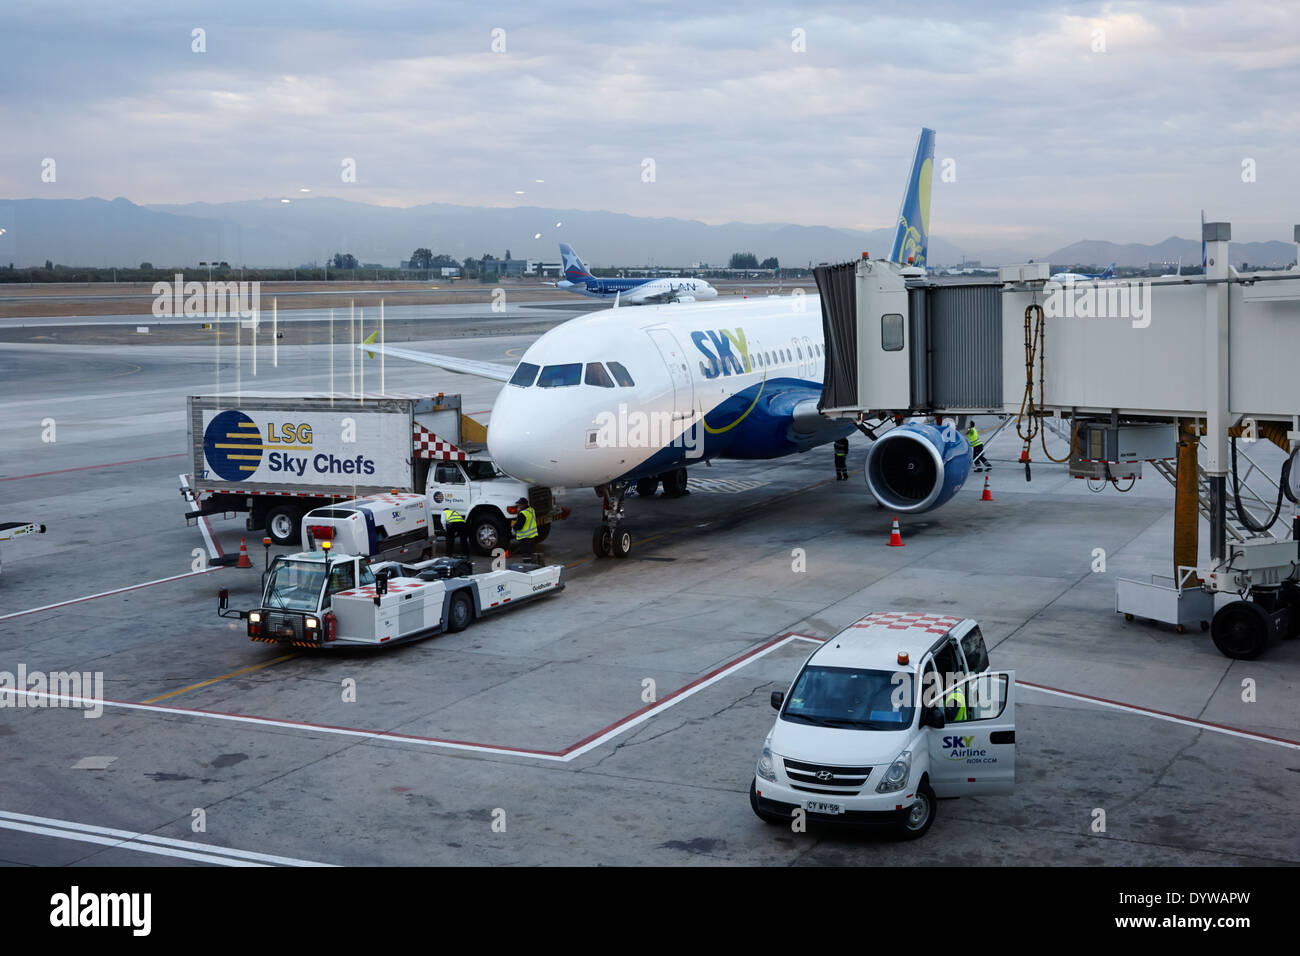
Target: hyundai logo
824,775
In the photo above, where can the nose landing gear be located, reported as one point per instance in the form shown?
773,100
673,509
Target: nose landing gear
608,538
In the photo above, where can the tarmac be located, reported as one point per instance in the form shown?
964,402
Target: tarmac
616,723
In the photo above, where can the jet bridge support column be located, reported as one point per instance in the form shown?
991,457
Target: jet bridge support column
1216,236
1187,512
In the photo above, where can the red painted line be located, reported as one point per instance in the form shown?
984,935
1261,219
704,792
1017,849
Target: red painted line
111,464
101,594
1161,713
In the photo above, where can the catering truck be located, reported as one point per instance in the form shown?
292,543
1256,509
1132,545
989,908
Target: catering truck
327,600
276,457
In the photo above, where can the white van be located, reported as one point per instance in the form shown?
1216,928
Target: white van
892,712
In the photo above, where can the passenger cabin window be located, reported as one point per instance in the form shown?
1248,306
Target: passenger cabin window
560,376
620,374
596,375
524,375
891,332
448,474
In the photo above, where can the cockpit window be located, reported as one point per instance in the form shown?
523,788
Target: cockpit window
524,375
620,374
560,376
596,375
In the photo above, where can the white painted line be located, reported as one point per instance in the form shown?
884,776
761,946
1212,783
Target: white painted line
145,843
678,697
92,597
214,550
121,845
1161,715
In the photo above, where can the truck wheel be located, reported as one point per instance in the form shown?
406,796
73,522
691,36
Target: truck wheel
674,482
282,525
921,814
1240,630
460,613
759,812
622,544
489,533
646,487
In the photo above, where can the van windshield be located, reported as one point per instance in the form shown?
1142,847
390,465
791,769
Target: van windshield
850,698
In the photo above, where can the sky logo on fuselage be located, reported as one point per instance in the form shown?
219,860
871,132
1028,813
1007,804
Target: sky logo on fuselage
724,351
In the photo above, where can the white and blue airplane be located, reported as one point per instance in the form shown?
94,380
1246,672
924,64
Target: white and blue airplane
1107,273
578,278
608,403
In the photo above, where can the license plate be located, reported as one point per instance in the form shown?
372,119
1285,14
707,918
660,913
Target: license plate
821,806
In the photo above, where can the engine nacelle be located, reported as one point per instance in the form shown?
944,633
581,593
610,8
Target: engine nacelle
915,468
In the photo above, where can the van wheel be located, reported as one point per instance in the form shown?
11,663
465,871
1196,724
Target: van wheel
763,815
646,487
282,525
460,613
489,533
921,814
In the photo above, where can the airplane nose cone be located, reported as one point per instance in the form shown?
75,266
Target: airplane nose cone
518,442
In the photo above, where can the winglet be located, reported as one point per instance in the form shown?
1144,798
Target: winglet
370,340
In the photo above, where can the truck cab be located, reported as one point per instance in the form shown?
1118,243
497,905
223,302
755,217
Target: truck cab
891,713
486,495
297,597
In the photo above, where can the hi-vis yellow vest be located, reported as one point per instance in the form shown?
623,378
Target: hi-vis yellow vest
973,436
451,516
529,530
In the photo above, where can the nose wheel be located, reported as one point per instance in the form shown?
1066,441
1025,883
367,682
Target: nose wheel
608,538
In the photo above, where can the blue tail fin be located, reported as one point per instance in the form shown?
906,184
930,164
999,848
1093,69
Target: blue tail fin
1109,273
573,266
912,237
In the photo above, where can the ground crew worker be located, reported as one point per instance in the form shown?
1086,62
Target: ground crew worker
955,699
455,526
978,461
525,528
841,459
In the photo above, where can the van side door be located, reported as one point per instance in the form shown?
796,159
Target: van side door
977,754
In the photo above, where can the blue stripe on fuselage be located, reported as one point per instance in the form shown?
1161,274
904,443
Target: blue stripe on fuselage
765,432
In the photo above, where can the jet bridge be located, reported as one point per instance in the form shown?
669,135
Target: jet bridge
1140,368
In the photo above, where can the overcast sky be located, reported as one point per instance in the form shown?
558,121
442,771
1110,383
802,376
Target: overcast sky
1091,120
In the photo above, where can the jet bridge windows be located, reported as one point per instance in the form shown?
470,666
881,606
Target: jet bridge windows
560,376
524,375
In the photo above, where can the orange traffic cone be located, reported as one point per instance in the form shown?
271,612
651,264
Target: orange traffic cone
988,493
895,536
243,555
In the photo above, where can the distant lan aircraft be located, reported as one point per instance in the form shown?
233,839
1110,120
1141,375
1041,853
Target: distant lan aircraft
1084,276
578,278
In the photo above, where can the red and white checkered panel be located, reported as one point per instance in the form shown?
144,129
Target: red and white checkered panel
907,621
429,445
368,591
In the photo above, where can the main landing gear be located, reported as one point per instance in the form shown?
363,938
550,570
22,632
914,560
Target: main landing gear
609,538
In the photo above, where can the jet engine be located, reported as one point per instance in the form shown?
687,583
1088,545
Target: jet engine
915,468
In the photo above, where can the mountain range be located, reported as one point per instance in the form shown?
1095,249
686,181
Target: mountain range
276,233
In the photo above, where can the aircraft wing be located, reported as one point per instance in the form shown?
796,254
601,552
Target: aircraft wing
498,373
